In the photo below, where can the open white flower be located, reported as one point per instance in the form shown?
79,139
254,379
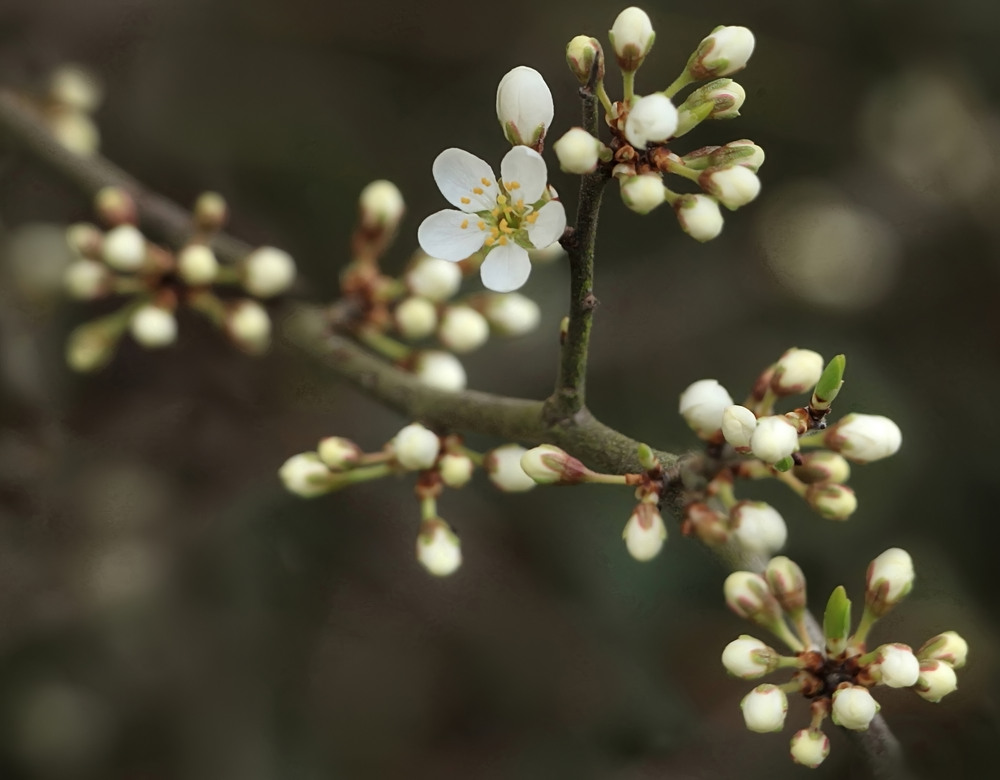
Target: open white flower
506,218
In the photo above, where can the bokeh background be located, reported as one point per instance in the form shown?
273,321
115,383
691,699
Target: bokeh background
167,611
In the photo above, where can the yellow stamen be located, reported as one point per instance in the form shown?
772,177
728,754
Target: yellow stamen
520,205
486,182
503,241
488,242
465,200
481,225
532,217
477,190
513,186
465,224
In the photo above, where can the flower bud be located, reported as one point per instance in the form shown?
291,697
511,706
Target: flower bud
438,548
854,707
210,211
742,152
75,131
643,193
722,53
305,475
764,708
76,88
578,151
153,326
702,406
86,279
511,314
90,346
524,106
896,666
890,577
440,370
644,532
822,466
434,279
197,265
707,524
797,371
651,119
416,318
549,465
937,679
748,658
456,470
749,597
268,271
699,216
719,99
116,206
787,583
832,501
738,426
632,37
503,465
774,438
415,447
581,53
338,453
249,326
949,647
864,437
85,239
463,329
124,248
758,527
381,205
810,747
734,187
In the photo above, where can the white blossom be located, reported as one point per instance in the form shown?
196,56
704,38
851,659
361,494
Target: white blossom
810,747
738,425
643,193
651,119
797,371
440,370
524,106
854,707
897,666
632,37
268,271
734,187
773,439
748,658
864,437
702,405
503,465
948,646
699,216
758,527
644,532
722,53
577,151
416,447
937,679
124,248
892,570
764,708
197,264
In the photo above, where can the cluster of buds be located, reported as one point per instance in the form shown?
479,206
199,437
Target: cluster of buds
837,674
71,96
644,127
763,443
120,262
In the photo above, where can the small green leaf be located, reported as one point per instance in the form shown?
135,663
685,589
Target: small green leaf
837,621
829,383
784,464
646,457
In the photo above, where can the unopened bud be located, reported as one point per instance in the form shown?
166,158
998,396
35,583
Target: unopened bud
76,88
511,314
722,53
503,465
651,119
937,679
809,747
889,579
764,708
742,152
577,151
305,475
153,326
197,265
115,206
738,426
440,370
434,279
249,326
524,106
787,583
210,211
896,666
455,469
719,99
90,346
632,37
381,205
864,438
702,405
415,317
415,447
549,465
581,54
85,239
822,466
949,647
854,707
832,501
748,595
734,187
773,439
643,193
699,216
86,279
797,371
268,271
707,524
338,453
124,248
748,658
758,527
438,548
463,329
645,532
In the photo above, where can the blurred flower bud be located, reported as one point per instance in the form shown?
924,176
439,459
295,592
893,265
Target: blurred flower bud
734,187
76,88
702,406
338,453
864,437
896,666
577,150
124,248
210,211
549,465
75,131
463,329
797,371
116,206
644,532
249,326
153,326
416,447
632,37
438,548
381,205
758,527
581,52
738,426
937,679
949,647
699,216
305,475
774,438
810,747
651,119
854,707
742,152
787,583
85,239
822,466
416,317
748,658
440,370
722,53
90,346
524,106
86,279
503,465
890,577
511,314
707,524
268,271
748,595
455,469
764,708
197,265
643,193
434,279
832,501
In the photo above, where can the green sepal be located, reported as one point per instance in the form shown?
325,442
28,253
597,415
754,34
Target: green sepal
829,384
837,621
646,457
784,464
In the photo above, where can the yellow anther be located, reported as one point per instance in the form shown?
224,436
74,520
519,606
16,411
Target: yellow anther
519,205
488,241
531,217
477,190
465,224
502,200
486,182
465,200
512,186
481,225
503,241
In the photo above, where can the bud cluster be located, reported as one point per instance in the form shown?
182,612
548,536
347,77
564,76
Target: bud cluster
120,262
836,678
71,96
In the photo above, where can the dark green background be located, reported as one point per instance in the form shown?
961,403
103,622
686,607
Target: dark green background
167,611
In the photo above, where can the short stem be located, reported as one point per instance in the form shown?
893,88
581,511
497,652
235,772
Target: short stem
428,508
860,637
793,482
602,95
384,345
678,84
606,479
628,86
781,630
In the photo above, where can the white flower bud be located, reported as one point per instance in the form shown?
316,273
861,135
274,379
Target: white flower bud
124,248
773,439
949,647
632,37
305,475
197,265
722,53
787,583
937,679
416,318
210,211
748,658
699,216
702,406
864,437
153,326
456,470
743,152
249,326
524,106
810,747
797,371
74,87
758,527
734,187
854,707
544,464
440,370
764,708
652,119
719,99
823,466
381,205
738,425
438,549
268,271
581,52
577,151
75,131
84,239
747,594
511,314
643,193
434,279
89,347
337,452
832,501
463,329
503,464
890,577
644,532
897,666
86,279
416,447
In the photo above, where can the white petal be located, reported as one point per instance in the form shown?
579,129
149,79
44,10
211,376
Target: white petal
459,174
505,268
442,235
549,225
527,168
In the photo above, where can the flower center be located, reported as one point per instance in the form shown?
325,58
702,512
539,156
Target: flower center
509,219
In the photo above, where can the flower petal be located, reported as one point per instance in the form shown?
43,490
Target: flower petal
549,225
525,168
451,235
465,181
505,268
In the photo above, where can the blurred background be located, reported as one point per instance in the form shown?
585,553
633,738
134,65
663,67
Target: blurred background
168,611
